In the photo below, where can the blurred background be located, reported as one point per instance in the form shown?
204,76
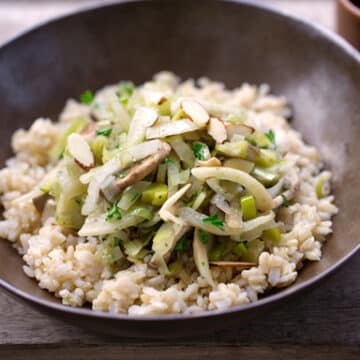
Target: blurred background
18,15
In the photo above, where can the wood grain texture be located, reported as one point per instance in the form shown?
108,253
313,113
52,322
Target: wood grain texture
128,352
321,324
328,315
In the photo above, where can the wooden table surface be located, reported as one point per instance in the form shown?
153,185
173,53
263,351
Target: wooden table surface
321,324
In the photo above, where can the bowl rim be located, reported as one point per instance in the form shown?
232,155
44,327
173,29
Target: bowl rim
330,36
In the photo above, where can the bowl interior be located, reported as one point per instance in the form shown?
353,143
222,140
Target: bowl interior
225,41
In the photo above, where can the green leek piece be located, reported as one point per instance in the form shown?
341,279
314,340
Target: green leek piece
132,248
266,176
201,258
218,251
233,119
179,114
199,200
272,234
156,194
175,268
183,150
162,245
141,211
110,251
235,149
248,207
68,213
125,91
262,140
98,145
76,125
161,173
108,154
321,187
240,249
255,248
131,194
164,108
266,158
240,164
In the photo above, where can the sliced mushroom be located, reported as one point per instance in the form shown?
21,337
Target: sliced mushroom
80,151
293,181
217,130
136,173
40,201
233,264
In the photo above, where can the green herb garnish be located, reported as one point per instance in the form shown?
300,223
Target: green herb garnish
204,237
126,89
215,220
136,196
182,244
285,200
104,132
271,136
123,175
87,97
113,212
168,160
198,150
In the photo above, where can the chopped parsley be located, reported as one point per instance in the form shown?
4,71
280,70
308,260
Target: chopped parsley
182,244
113,212
125,91
104,132
198,150
123,175
168,160
214,220
204,237
136,196
87,97
271,136
285,200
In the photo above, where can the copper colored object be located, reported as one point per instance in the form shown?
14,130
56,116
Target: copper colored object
348,21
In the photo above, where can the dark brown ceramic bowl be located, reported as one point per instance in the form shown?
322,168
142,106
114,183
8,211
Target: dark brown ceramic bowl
231,41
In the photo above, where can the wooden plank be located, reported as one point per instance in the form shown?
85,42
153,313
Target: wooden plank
249,352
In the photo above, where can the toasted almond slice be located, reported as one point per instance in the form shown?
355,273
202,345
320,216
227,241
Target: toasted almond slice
195,112
217,130
89,131
238,129
146,116
80,151
213,161
235,264
155,97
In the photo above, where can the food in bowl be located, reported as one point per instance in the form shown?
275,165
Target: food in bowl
169,197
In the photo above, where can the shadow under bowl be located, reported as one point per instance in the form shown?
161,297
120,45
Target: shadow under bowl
229,41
